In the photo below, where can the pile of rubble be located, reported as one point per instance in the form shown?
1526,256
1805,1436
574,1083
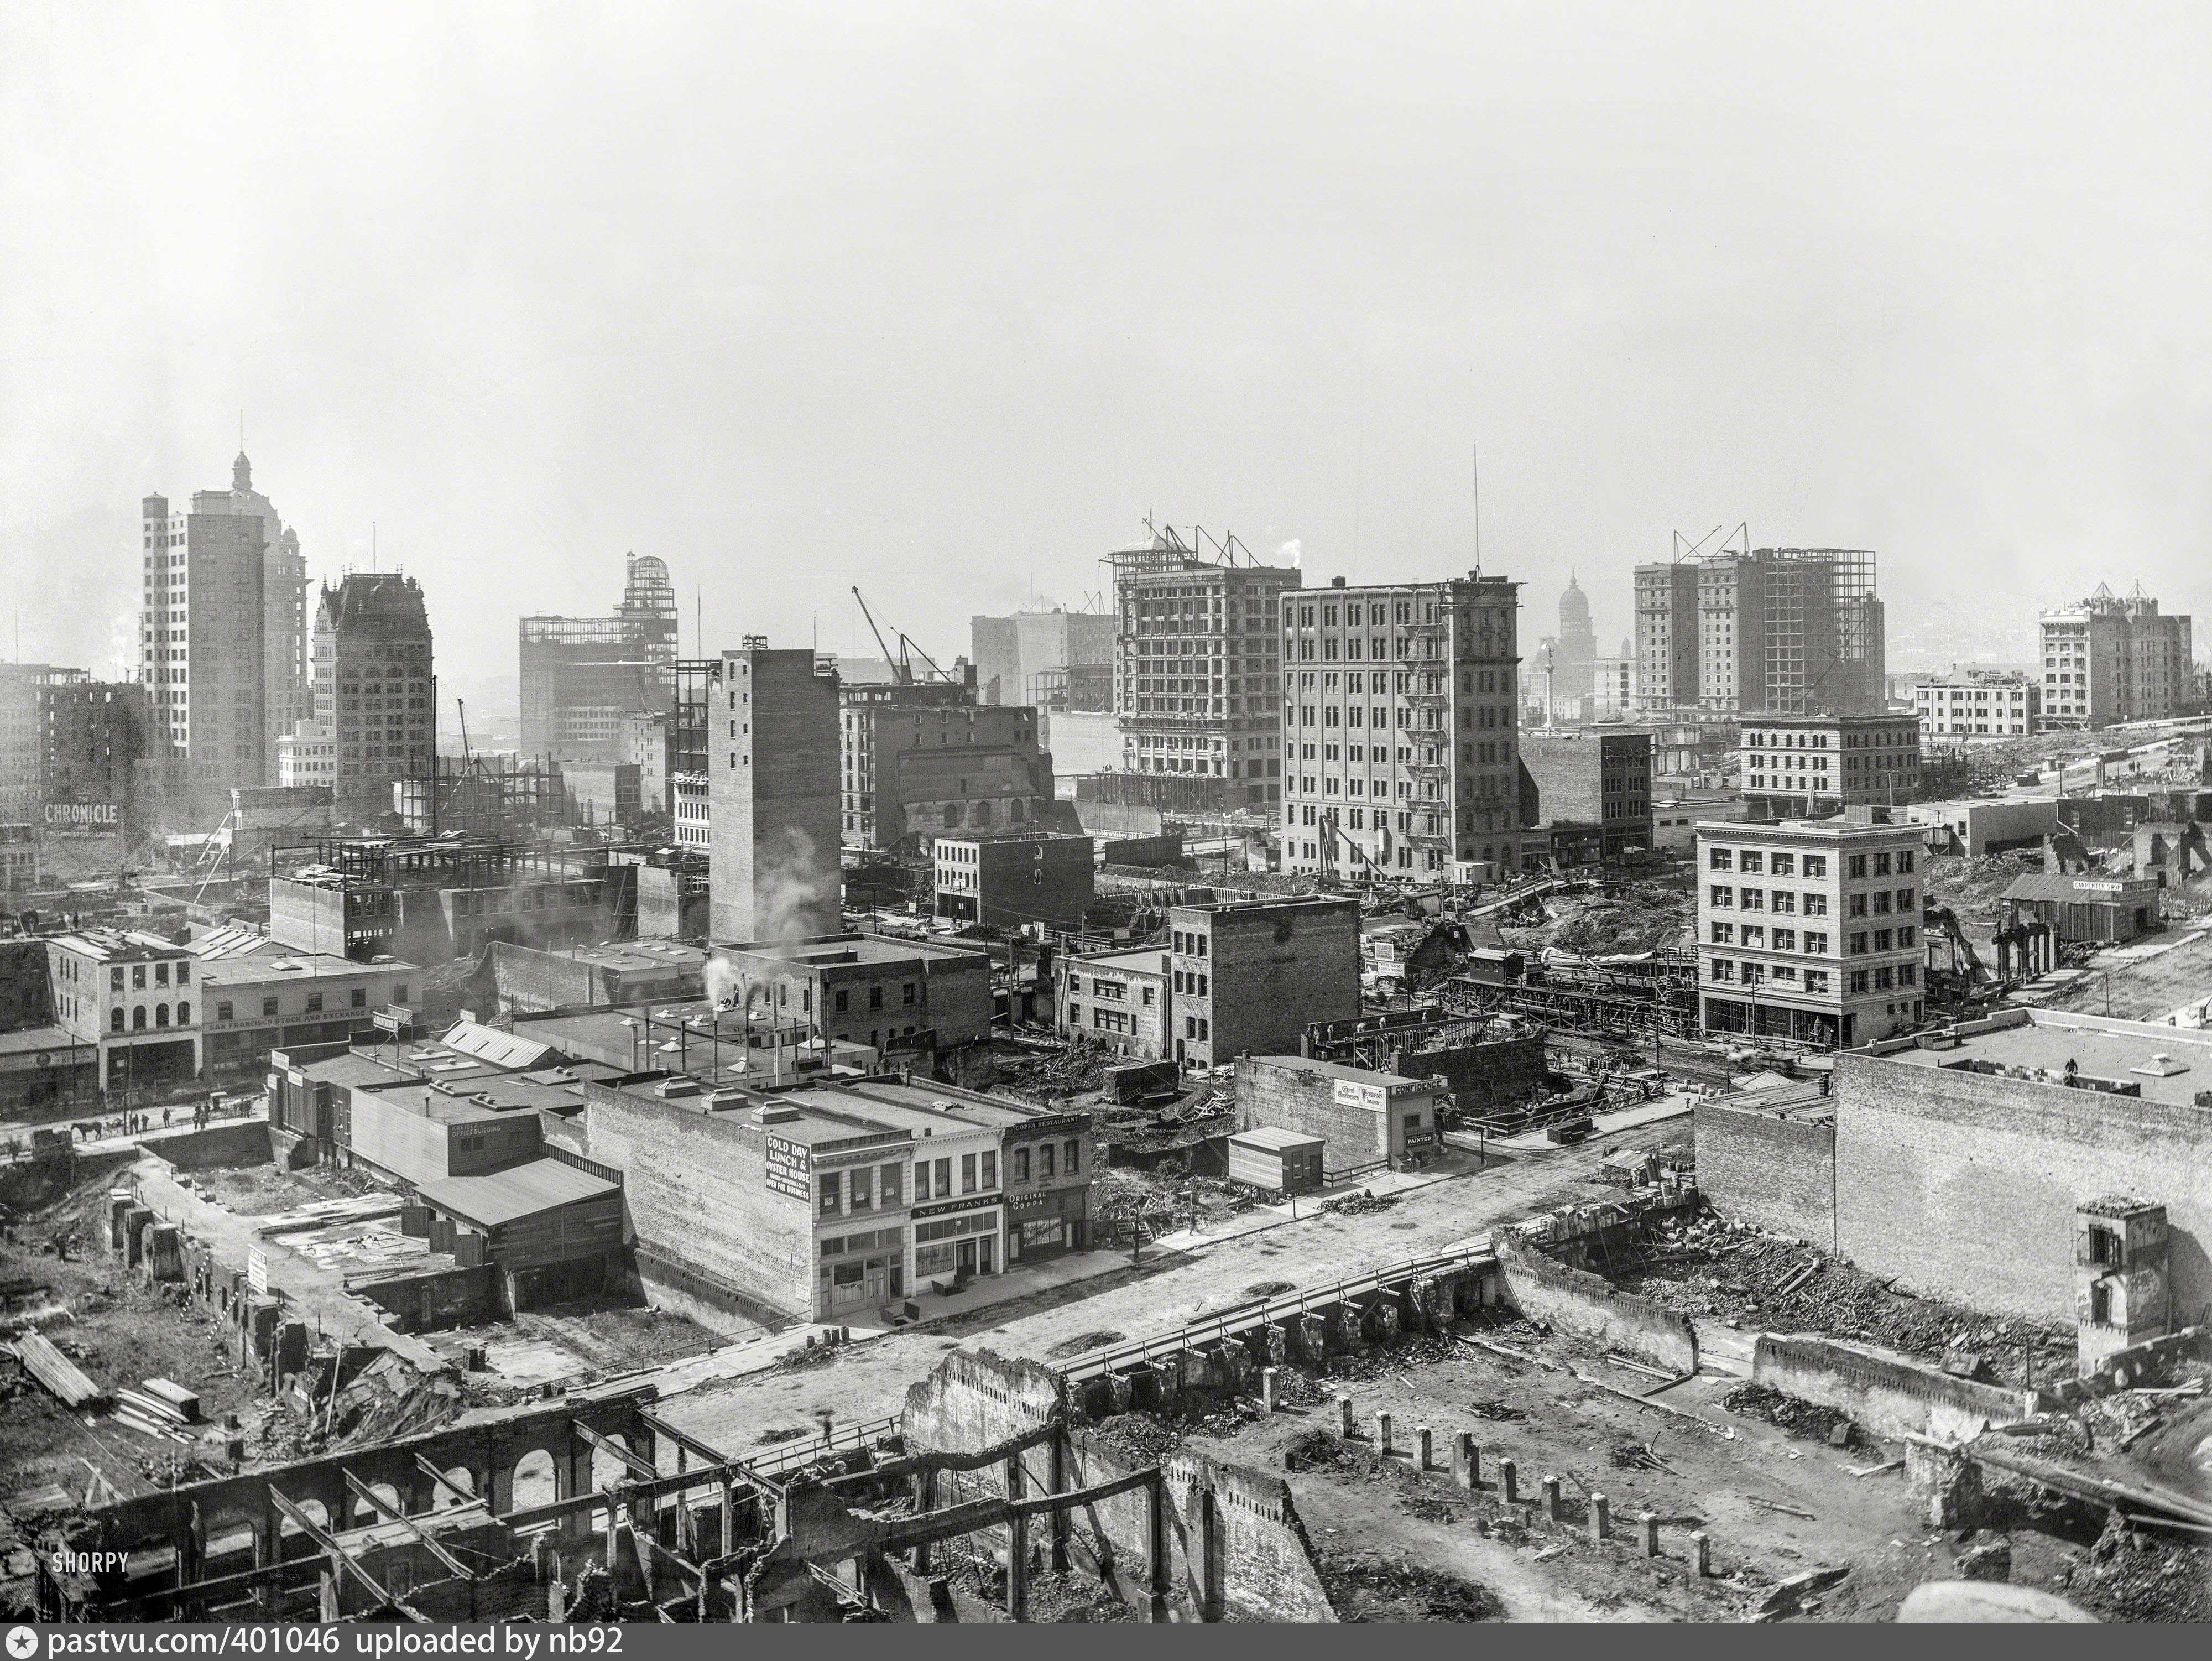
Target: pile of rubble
1707,1267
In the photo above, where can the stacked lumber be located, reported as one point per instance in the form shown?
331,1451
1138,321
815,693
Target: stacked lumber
62,1376
186,1402
151,1414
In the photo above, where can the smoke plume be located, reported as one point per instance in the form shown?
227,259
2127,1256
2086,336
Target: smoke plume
795,891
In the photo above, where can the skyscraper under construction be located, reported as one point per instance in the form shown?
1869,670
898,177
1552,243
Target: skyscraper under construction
1766,630
581,676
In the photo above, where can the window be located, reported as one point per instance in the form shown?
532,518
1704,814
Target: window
908,992
360,997
1074,1157
990,1169
1783,865
840,1004
115,1018
267,1009
1723,859
875,997
1816,865
833,1194
1816,905
184,1015
1021,1164
184,970
863,1189
315,1003
888,1184
1751,860
1816,941
967,1173
222,1012
1723,894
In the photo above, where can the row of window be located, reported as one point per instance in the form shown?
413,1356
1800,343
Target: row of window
1813,982
1816,941
880,1187
1777,862
1786,901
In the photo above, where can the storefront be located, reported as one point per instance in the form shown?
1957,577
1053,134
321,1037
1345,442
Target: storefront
859,1271
958,1241
1047,1224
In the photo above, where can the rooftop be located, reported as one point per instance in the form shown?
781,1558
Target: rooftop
829,949
2038,1047
1348,1074
119,945
1148,960
520,1191
1832,830
1276,1141
245,968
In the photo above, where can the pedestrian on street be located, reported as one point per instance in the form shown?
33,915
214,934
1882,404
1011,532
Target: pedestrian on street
165,1118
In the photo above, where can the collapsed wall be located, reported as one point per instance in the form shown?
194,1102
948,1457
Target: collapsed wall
1262,1562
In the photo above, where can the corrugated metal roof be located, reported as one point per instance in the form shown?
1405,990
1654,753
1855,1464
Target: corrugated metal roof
520,1191
501,1048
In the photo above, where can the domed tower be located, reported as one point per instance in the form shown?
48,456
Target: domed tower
1577,652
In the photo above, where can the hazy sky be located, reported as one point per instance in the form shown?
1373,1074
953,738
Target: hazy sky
943,298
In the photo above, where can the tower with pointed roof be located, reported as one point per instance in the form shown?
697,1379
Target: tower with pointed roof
222,636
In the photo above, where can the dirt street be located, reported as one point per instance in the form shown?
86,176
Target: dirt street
869,1380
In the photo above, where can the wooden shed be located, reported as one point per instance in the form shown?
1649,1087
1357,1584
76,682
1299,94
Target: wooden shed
1279,1161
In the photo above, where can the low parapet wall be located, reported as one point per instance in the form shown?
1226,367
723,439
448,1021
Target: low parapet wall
1586,1305
1887,1394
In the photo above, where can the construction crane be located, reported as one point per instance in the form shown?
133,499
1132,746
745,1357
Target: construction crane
901,662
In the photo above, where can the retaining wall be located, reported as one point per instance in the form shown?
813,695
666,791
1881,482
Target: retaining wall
1575,1301
1887,1394
240,1142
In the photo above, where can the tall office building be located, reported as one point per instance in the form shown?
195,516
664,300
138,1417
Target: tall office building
1401,729
1576,652
1795,629
1196,691
376,691
772,755
1058,660
223,631
581,676
2110,660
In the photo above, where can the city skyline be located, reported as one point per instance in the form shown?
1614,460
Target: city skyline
1972,357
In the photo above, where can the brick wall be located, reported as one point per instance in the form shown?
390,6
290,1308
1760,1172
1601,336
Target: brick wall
1964,1186
960,997
694,1190
1577,1302
1888,1394
1274,1097
1482,1076
1773,1172
1270,970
